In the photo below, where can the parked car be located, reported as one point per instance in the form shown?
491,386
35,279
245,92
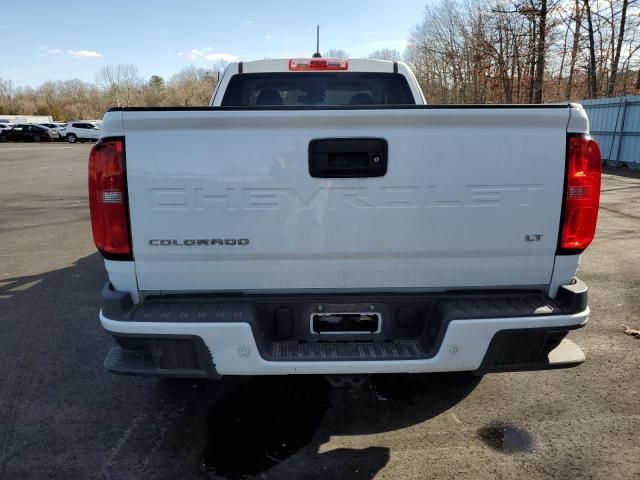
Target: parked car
55,128
62,128
327,221
24,132
82,131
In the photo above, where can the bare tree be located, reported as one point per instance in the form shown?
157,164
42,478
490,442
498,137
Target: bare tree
592,68
386,54
540,52
191,86
120,82
618,48
574,47
6,96
335,53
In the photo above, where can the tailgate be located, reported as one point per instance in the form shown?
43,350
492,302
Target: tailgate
224,200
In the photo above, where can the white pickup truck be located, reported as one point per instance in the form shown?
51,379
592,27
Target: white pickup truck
319,218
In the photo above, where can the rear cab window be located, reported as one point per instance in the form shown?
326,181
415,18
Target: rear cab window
312,89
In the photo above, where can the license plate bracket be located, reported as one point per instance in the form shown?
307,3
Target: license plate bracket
345,323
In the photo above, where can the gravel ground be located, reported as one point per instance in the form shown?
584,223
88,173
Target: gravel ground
62,416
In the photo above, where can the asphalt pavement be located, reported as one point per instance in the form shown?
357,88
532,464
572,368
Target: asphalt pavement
63,417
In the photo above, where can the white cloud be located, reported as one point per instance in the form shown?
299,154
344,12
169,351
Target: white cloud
248,22
49,51
221,57
208,54
84,53
195,53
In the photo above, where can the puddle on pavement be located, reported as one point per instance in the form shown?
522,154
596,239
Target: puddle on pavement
262,421
508,438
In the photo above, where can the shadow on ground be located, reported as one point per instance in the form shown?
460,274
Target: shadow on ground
277,425
621,171
62,416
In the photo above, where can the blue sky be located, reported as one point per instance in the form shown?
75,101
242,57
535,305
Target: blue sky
74,39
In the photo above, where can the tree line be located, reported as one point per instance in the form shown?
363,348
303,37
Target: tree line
462,51
526,51
119,85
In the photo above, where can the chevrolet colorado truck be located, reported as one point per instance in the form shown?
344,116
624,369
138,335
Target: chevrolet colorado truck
318,217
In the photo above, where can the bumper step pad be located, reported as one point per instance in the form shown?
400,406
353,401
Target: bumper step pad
129,362
285,351
162,357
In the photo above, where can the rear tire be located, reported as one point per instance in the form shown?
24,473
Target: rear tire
71,138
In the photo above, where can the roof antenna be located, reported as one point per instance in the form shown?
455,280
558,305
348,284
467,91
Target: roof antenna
317,54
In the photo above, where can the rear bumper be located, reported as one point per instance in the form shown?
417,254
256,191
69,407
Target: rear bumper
174,338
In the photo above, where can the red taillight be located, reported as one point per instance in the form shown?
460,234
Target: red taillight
581,195
108,199
318,64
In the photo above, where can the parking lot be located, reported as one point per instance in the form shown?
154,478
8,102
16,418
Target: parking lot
63,417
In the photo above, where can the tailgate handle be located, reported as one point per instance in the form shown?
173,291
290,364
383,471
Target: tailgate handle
348,157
